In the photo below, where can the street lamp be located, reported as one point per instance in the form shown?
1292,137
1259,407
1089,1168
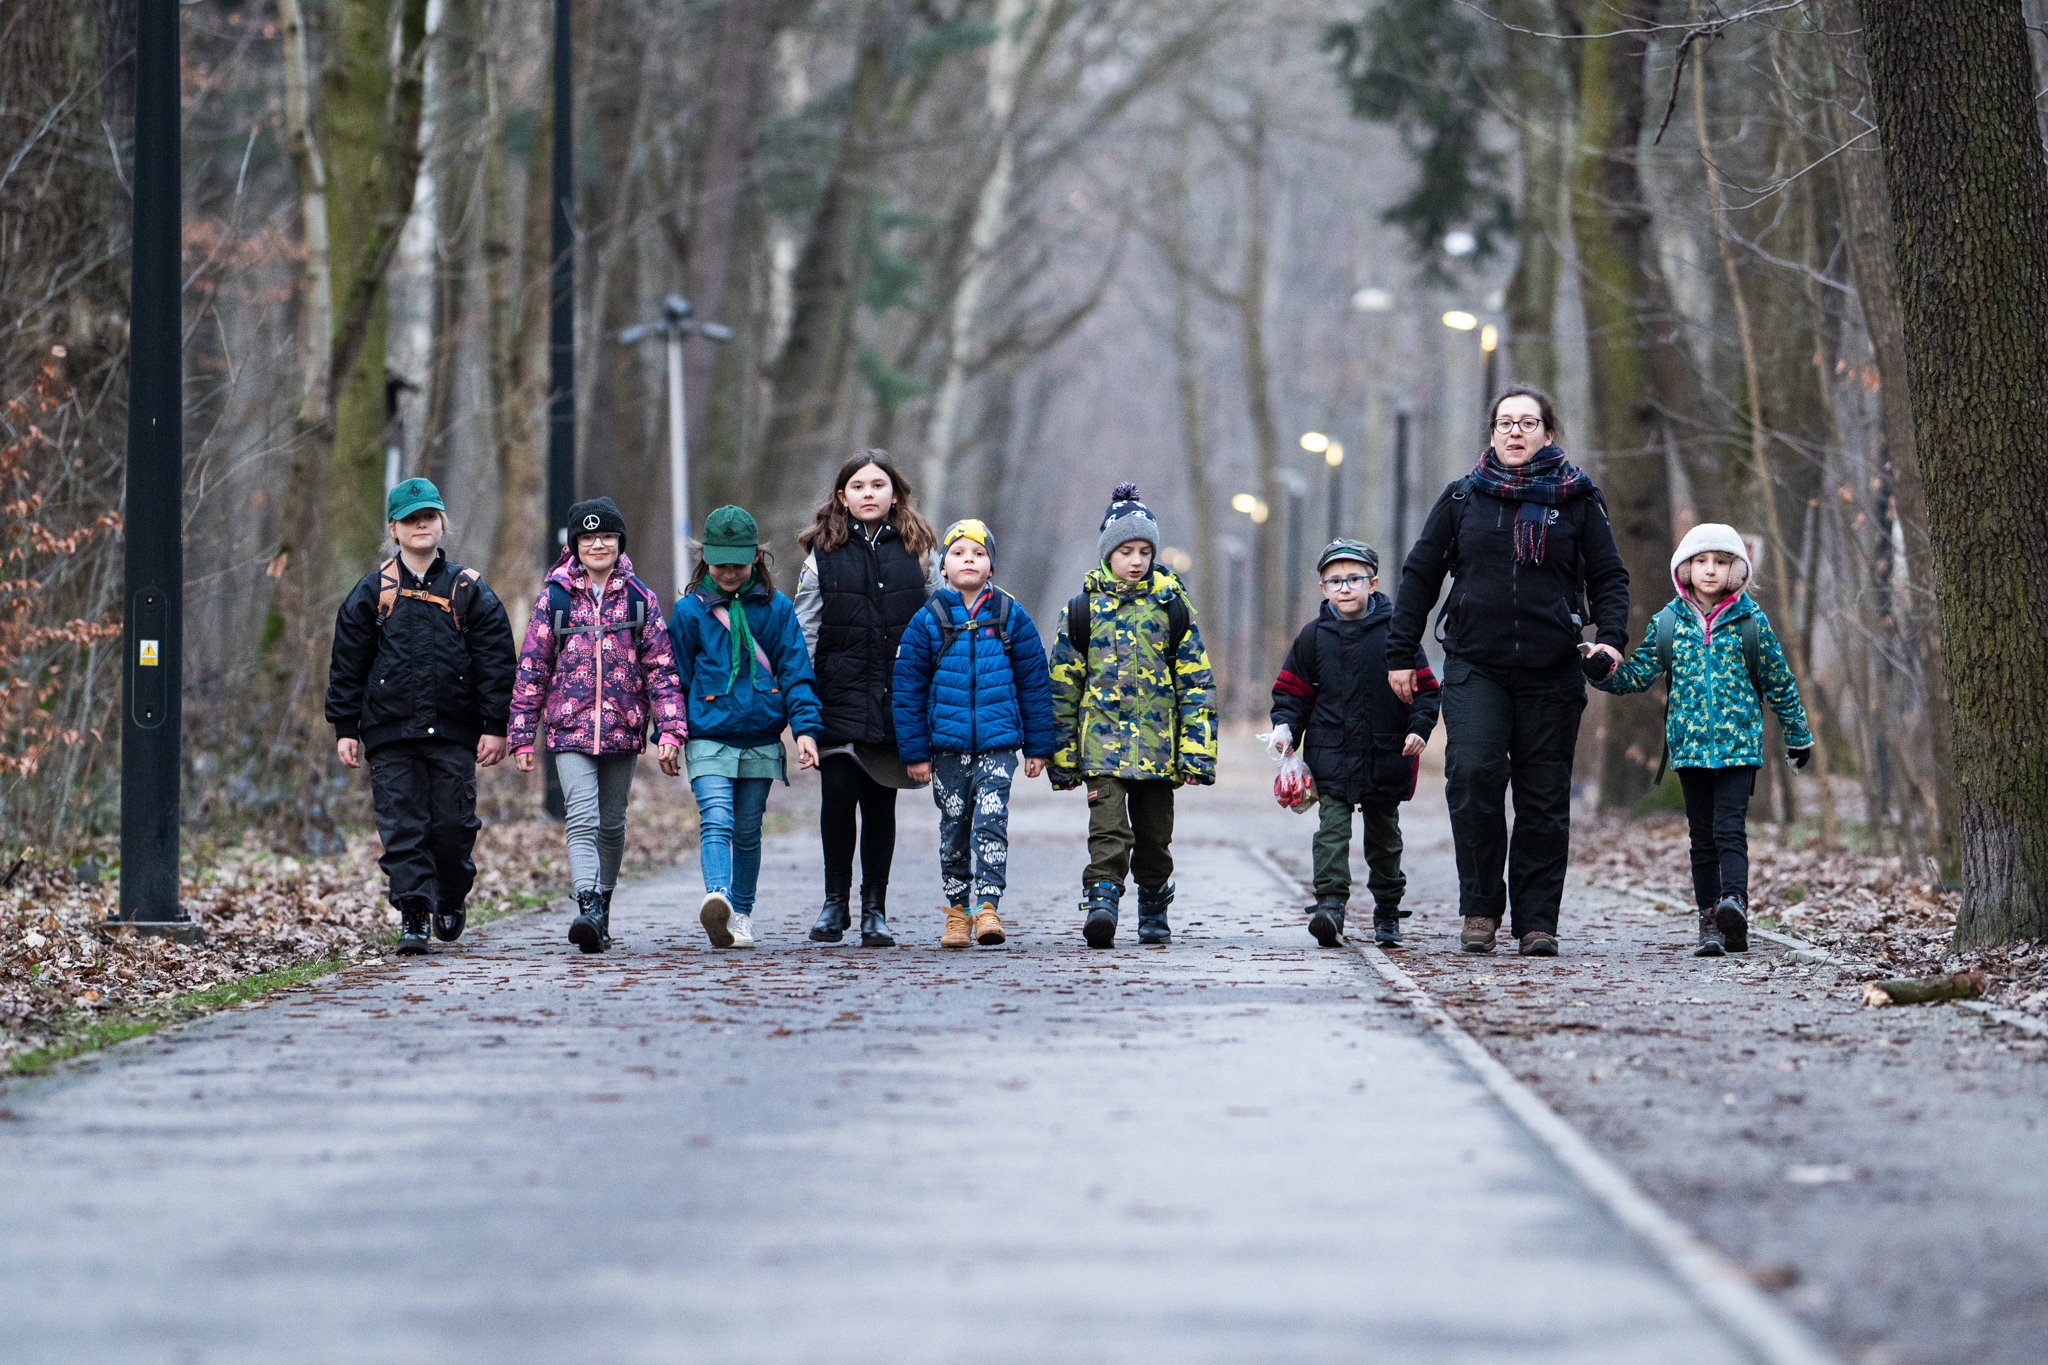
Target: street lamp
1489,345
1460,321
1333,456
675,324
1251,507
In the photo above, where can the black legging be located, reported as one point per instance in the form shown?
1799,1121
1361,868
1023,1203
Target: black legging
1717,816
848,788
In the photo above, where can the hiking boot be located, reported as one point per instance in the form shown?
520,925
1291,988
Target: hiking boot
413,914
988,925
1712,943
1152,925
874,917
715,914
591,929
1099,928
448,924
1536,943
1732,918
741,927
956,934
1386,926
1326,920
836,918
1479,933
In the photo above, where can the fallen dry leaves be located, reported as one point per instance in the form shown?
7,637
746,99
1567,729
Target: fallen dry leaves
263,912
1869,906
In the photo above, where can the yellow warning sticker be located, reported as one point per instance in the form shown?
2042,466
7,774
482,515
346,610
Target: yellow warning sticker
148,659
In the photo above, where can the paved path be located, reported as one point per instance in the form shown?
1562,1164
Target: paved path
1238,1149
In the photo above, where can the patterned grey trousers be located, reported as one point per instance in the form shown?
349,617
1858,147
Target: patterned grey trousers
973,795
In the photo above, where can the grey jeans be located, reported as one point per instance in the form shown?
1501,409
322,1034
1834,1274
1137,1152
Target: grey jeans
595,791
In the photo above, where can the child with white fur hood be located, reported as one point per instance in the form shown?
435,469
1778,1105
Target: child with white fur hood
1721,662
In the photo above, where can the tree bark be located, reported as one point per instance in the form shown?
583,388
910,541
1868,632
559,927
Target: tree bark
1952,83
1632,355
1187,373
1532,289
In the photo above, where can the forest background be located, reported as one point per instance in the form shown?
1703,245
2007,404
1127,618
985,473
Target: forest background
1034,248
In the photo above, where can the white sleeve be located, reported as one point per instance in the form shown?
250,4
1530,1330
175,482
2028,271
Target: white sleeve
810,605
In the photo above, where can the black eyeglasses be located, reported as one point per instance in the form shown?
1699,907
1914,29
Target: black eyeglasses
1508,426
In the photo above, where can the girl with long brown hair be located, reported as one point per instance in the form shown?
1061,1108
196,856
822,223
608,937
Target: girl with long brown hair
871,565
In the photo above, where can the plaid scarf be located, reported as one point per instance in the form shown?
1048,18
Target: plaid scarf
1548,480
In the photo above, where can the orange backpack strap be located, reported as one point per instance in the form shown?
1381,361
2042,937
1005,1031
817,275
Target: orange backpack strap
387,588
462,596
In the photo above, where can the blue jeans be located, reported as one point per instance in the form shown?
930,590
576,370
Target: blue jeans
729,813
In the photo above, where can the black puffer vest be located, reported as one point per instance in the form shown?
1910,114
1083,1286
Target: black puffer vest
870,593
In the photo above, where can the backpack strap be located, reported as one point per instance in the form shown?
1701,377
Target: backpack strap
1077,624
457,603
387,588
942,615
559,606
1179,618
463,596
1753,653
1003,618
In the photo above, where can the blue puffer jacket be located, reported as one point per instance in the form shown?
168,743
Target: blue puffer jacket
749,712
975,699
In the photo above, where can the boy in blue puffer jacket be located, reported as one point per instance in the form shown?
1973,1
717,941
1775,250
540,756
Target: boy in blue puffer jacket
971,688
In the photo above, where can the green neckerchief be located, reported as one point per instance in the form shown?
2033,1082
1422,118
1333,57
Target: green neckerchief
742,634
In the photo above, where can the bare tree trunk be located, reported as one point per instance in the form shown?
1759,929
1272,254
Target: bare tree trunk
1274,630
1953,87
1532,289
1187,372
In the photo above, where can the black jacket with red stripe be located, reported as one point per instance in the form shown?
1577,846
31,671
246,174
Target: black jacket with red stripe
1332,693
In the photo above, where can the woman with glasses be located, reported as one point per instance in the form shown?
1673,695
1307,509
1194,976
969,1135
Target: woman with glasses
1525,540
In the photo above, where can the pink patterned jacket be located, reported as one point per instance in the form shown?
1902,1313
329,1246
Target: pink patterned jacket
599,699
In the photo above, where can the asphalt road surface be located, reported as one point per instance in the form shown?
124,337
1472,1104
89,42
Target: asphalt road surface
1237,1149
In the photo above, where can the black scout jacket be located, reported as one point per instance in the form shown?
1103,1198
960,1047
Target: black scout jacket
1503,614
415,675
1332,693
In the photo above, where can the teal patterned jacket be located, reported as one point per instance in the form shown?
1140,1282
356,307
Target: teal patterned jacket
1714,720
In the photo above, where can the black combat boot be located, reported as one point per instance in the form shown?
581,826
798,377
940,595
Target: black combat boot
413,914
1099,928
874,916
1386,925
448,923
1732,917
837,917
1326,920
1712,943
1152,925
591,930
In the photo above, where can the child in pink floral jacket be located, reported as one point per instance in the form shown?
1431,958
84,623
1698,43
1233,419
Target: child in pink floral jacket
598,662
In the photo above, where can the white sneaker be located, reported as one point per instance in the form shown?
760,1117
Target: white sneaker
716,915
742,927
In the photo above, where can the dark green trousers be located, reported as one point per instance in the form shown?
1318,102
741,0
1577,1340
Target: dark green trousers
1130,832
1384,877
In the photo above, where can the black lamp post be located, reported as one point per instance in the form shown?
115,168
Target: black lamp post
561,338
153,559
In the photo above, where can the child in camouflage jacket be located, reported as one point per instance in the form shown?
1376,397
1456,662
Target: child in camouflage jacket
1721,661
1135,717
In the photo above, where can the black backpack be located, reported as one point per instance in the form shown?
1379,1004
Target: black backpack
1666,623
1178,619
559,606
948,632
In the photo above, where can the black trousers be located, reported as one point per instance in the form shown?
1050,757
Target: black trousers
1515,726
424,791
1717,817
848,789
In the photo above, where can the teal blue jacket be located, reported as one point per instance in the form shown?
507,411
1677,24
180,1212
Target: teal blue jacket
1714,720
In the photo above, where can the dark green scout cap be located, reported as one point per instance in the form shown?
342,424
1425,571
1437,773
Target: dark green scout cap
730,537
410,496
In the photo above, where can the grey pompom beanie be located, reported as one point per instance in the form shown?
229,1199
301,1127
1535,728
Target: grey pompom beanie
1126,519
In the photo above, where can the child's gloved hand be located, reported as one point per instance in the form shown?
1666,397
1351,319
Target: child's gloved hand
1596,665
1800,757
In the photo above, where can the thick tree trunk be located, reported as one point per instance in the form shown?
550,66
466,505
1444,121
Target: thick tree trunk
1273,629
1532,289
1632,353
1187,373
1953,87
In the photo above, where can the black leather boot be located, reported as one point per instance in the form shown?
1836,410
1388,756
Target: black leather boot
874,917
1099,928
1731,916
1386,926
591,929
448,923
1326,920
1152,925
1712,944
837,917
413,914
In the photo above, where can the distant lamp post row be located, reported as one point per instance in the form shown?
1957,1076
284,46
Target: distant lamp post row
1252,507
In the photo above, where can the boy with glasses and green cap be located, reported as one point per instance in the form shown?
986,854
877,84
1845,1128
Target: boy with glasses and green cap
1362,743
420,685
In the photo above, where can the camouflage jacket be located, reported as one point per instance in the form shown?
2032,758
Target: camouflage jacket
1714,718
1125,709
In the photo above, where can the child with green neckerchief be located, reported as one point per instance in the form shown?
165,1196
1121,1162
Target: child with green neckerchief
747,676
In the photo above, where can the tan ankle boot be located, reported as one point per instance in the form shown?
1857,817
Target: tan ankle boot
956,935
988,926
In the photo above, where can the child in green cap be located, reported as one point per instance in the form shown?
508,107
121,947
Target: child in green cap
747,675
420,683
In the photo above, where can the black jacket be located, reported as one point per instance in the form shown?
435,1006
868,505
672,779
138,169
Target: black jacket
868,593
1504,614
1332,693
415,676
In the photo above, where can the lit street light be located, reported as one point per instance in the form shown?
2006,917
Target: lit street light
1489,344
1460,321
1314,442
1333,456
1251,507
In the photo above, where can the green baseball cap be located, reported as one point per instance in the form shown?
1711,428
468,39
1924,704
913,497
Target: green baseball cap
730,537
410,496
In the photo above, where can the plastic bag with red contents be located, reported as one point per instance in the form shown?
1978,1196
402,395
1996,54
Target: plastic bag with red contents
1293,786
